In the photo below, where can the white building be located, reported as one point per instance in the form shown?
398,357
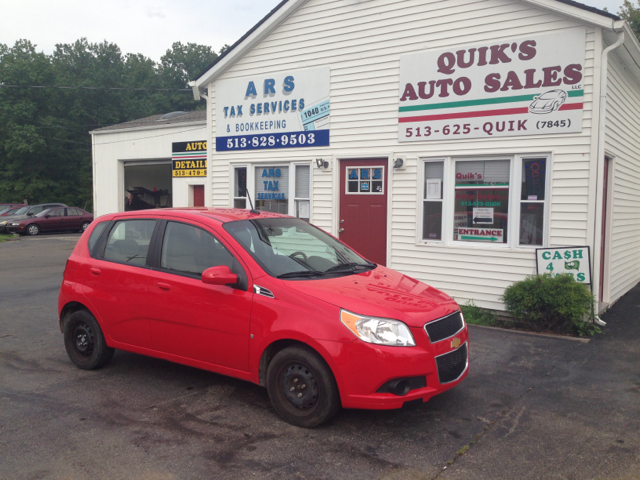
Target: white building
446,139
132,163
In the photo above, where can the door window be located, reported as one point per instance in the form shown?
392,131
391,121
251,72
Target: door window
128,242
191,250
367,180
73,212
56,212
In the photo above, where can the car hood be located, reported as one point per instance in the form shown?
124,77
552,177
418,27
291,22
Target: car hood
381,292
13,218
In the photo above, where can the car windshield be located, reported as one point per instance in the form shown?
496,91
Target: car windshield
5,210
22,211
292,248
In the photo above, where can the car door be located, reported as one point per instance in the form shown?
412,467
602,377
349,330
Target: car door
73,220
116,279
52,220
193,320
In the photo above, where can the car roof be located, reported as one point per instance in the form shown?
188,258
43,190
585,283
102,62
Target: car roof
222,215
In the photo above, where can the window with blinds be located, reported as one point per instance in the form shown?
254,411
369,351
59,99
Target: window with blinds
432,201
302,192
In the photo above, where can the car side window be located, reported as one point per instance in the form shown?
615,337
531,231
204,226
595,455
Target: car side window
95,236
129,241
73,212
189,249
36,210
56,212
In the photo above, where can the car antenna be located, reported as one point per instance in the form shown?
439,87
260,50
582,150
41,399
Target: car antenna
253,210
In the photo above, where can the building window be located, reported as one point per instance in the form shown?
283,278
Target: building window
432,201
367,181
302,192
532,200
272,189
481,211
482,192
240,187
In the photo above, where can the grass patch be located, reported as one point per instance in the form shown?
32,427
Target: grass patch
476,315
5,236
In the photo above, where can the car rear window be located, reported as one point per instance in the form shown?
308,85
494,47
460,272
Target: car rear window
129,241
95,235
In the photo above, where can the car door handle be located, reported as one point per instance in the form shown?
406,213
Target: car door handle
95,271
163,286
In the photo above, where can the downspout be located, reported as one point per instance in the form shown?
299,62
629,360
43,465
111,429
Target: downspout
601,134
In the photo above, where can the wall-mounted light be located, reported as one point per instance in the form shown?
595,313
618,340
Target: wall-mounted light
321,163
398,163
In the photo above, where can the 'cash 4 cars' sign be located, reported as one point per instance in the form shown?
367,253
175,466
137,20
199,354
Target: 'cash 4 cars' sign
574,261
529,85
282,110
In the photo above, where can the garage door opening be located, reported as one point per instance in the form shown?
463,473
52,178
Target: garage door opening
147,186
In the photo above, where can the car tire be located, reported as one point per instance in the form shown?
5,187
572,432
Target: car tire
33,229
84,226
301,387
85,342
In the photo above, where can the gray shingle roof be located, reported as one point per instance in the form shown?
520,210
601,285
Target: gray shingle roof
156,121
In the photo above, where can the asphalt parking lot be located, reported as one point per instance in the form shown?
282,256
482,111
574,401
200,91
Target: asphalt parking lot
532,407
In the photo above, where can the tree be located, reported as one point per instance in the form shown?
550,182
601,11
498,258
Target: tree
631,14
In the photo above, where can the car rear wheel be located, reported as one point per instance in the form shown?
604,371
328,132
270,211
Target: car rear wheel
33,229
85,225
302,388
85,342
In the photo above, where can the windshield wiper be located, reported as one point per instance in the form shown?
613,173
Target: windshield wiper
350,267
302,273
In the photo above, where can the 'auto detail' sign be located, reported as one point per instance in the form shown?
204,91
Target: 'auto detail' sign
281,110
531,85
189,159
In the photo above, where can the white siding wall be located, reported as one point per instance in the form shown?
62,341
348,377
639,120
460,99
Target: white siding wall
362,43
111,149
623,141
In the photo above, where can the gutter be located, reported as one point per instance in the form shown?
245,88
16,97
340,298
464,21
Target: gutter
600,145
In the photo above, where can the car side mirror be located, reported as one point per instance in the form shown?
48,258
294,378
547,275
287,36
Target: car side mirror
220,275
29,214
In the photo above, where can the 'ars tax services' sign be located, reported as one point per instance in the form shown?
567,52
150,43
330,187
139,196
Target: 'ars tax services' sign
281,110
529,85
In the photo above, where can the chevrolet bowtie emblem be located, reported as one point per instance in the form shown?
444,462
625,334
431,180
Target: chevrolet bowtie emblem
455,343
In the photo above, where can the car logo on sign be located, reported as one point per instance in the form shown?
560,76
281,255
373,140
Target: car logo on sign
455,343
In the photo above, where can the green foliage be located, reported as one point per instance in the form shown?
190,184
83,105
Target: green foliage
45,146
631,14
551,303
478,316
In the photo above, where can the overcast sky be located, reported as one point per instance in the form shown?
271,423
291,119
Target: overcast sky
148,27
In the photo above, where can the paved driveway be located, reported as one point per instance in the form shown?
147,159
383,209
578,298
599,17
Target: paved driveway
531,408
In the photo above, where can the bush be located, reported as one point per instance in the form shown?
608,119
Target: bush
551,303
476,315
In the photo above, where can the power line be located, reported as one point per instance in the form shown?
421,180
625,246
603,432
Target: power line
2,85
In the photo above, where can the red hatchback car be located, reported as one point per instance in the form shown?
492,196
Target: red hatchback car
265,298
52,220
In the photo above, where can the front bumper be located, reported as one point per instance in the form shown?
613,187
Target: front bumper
363,369
15,228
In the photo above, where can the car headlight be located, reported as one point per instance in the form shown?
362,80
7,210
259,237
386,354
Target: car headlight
15,224
382,331
3,223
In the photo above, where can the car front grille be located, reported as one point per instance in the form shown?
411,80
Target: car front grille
452,365
443,328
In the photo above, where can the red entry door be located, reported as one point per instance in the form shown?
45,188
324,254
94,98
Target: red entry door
363,207
198,195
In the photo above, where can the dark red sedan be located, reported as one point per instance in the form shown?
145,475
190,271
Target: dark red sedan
53,220
265,298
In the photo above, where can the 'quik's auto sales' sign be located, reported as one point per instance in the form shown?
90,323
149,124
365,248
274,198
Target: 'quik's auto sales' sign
531,85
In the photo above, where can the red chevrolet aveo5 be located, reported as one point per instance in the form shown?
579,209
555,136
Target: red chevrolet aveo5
262,297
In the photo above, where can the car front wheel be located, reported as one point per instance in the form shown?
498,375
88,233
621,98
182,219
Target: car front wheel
85,342
301,387
33,229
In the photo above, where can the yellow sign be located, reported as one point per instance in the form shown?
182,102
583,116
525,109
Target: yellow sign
190,173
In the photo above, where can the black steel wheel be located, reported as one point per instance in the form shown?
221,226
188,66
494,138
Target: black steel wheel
301,387
85,225
85,342
33,229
